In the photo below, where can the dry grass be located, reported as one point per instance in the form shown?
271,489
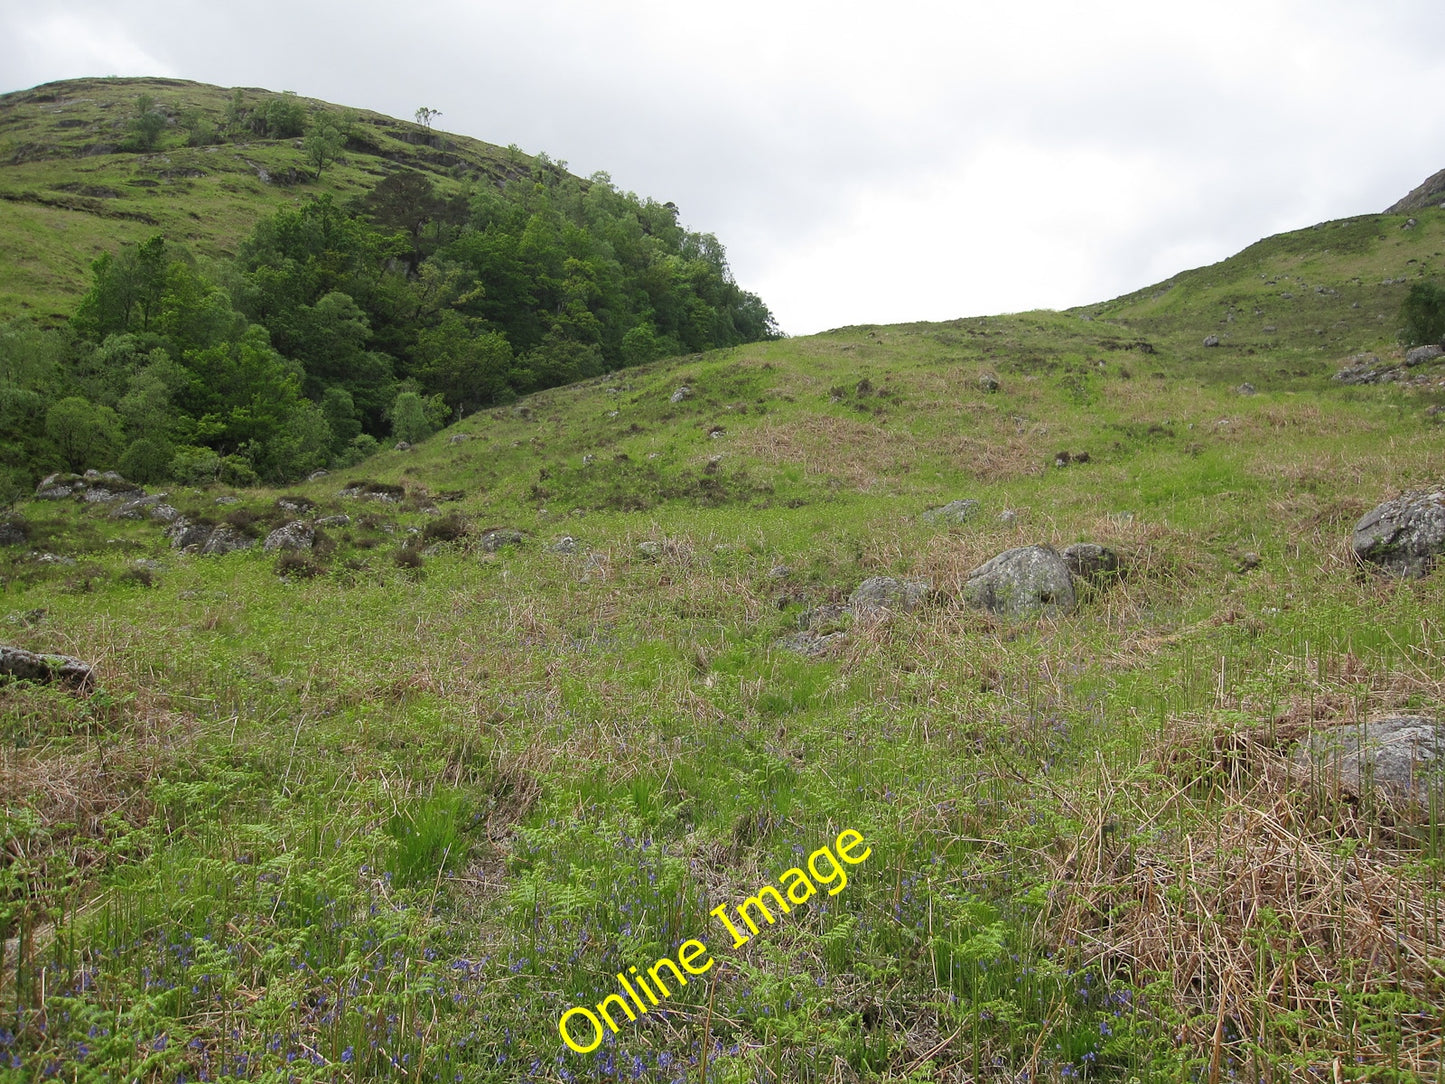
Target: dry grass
1271,911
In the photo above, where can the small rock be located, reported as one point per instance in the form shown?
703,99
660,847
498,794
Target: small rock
1022,581
54,559
810,644
1249,561
493,540
1246,388
564,545
680,394
988,382
228,500
317,475
458,438
296,535
333,521
880,593
1211,340
1421,354
294,504
952,513
1008,517
1090,561
401,446
650,549
1403,756
20,665
779,572
164,513
14,532
1403,536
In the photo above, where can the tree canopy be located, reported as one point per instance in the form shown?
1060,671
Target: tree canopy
337,326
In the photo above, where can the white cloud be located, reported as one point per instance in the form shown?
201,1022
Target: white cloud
867,163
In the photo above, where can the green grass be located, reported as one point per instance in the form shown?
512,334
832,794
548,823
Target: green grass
390,820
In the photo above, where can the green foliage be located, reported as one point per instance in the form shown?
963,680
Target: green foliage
409,421
147,124
84,434
1422,314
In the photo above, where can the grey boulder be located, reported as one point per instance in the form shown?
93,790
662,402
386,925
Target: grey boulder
1402,756
295,535
17,664
883,593
1019,582
1403,536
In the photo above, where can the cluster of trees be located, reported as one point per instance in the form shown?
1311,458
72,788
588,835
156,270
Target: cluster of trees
338,327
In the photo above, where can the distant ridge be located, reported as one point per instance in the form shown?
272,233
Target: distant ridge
1429,194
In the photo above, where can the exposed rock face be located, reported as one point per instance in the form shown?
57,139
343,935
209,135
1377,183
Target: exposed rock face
1020,582
295,535
1368,369
1422,354
952,513
1403,536
884,593
1429,194
1089,561
493,540
1402,756
92,486
17,664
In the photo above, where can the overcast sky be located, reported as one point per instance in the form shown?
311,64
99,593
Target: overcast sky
865,163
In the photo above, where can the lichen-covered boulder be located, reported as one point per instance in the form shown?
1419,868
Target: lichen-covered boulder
1405,536
1402,756
226,539
878,594
1021,582
185,534
295,535
17,664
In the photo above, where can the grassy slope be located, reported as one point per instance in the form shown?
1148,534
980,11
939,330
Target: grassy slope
389,822
67,195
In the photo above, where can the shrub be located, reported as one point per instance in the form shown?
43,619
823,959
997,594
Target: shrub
1423,314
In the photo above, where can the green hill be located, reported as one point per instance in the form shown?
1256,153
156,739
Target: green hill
72,190
510,712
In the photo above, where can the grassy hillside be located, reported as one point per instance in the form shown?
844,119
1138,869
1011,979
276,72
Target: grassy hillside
69,192
390,807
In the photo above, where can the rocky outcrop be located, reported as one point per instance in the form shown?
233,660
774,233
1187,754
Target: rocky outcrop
1402,756
1405,536
17,664
1022,582
92,487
